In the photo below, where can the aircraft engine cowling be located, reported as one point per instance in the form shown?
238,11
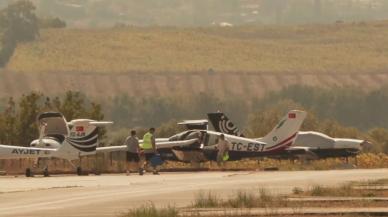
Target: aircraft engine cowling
46,143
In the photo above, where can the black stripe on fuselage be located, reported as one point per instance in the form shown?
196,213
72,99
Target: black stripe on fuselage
91,135
86,143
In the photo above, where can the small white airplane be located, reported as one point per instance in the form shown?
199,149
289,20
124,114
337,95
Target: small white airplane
308,144
58,139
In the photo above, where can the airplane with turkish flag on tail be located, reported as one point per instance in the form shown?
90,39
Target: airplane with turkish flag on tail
307,145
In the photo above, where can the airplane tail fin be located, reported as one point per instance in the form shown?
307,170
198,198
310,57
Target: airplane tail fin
222,124
285,132
83,135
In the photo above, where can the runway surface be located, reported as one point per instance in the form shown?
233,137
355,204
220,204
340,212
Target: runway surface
108,195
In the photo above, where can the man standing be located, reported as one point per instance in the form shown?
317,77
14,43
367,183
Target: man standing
223,149
149,147
133,151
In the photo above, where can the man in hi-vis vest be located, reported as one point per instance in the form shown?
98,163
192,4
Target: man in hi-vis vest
149,147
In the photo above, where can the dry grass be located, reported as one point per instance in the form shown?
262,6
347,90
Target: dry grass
364,161
150,210
262,198
370,188
313,49
240,199
206,199
106,165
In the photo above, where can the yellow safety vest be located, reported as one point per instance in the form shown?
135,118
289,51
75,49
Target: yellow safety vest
147,141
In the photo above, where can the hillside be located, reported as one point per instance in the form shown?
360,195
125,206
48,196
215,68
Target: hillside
337,48
243,85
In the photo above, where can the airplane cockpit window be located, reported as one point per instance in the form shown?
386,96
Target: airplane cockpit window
52,123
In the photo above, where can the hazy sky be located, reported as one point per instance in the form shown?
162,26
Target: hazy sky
209,12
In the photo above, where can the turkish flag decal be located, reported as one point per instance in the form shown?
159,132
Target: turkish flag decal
79,128
292,115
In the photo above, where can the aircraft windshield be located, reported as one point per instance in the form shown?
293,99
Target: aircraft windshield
53,123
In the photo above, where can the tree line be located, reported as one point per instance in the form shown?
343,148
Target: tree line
341,112
18,123
19,23
349,106
338,112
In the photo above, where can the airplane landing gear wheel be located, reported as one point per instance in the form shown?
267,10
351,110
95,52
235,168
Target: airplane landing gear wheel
79,171
46,172
28,172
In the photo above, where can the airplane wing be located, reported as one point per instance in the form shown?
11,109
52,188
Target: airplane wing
171,144
111,148
159,145
15,152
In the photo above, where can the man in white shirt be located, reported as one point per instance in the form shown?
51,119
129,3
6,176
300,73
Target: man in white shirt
133,151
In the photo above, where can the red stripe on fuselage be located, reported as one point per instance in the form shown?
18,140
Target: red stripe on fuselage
282,142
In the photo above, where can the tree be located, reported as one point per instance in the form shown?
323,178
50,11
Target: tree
19,21
379,137
29,107
73,105
8,123
7,46
18,120
261,122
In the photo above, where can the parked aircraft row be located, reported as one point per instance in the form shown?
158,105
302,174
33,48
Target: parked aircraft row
72,140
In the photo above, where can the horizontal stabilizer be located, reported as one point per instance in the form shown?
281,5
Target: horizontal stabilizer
101,123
